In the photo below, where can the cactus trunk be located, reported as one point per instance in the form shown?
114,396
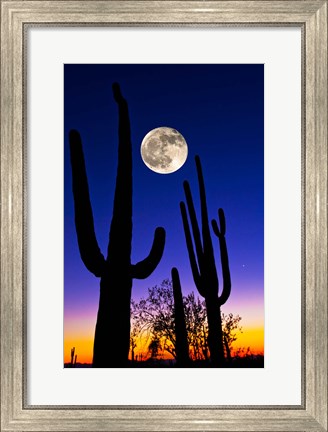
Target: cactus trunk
112,333
113,319
215,335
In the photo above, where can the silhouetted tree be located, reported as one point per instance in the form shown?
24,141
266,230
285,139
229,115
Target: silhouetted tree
202,262
154,348
197,327
112,334
230,327
134,337
153,317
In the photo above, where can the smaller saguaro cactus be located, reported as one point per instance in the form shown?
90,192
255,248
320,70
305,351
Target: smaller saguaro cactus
203,265
182,346
72,356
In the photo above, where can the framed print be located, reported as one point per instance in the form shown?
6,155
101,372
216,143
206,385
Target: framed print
178,151
169,158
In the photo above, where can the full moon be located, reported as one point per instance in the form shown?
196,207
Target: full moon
164,150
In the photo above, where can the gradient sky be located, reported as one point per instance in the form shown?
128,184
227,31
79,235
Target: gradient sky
219,109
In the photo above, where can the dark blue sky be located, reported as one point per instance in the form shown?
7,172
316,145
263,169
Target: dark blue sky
219,109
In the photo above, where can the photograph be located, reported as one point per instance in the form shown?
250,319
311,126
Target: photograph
163,216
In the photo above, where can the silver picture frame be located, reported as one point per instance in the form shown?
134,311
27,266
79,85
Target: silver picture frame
311,18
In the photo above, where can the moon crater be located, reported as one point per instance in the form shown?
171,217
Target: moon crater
164,150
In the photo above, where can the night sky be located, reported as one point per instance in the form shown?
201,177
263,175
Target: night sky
219,109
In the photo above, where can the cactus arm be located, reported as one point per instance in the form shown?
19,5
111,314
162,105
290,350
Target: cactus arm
88,245
144,268
191,252
215,227
203,204
209,260
222,230
225,273
194,224
220,233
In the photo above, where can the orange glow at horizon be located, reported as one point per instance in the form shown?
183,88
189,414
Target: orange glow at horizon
79,333
83,349
251,337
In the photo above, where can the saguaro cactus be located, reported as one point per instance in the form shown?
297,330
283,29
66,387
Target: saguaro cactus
72,356
112,334
182,346
203,267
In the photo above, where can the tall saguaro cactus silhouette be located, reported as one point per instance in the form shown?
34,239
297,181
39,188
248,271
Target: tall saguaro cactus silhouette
72,357
112,333
182,347
203,266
